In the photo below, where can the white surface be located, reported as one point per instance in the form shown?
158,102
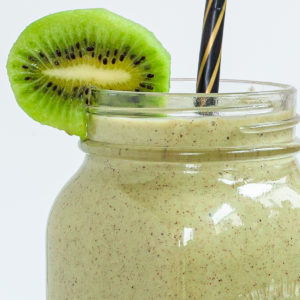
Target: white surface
262,42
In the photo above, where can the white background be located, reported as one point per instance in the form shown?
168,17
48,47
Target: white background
262,42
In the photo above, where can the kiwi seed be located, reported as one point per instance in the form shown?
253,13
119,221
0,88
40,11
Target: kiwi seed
137,62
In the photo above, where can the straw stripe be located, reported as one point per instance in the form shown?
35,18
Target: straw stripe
214,75
211,42
210,53
207,11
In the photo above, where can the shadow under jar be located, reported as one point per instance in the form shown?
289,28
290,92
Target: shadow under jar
182,202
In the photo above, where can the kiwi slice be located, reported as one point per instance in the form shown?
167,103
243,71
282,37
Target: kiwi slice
58,60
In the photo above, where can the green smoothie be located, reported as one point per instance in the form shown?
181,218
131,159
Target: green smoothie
179,208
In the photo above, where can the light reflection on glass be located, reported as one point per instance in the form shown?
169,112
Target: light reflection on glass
221,213
227,181
188,235
224,216
191,169
285,195
278,194
254,190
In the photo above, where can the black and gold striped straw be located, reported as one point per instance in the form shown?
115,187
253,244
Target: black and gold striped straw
211,47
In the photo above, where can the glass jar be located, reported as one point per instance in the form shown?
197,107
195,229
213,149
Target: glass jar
198,199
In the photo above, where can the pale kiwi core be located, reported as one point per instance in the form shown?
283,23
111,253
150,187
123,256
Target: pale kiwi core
90,73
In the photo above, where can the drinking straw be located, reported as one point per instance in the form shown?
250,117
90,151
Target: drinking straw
211,47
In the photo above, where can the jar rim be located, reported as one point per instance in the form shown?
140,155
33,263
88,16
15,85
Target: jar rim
274,88
259,97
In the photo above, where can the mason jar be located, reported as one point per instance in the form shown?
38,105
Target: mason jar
182,196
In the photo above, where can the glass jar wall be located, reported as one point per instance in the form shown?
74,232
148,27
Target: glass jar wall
197,199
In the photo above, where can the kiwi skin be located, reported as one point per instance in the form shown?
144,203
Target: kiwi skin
51,43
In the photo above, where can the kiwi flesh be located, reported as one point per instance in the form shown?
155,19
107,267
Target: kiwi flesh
58,61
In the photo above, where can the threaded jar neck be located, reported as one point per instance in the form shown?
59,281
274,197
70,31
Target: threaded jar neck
262,116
